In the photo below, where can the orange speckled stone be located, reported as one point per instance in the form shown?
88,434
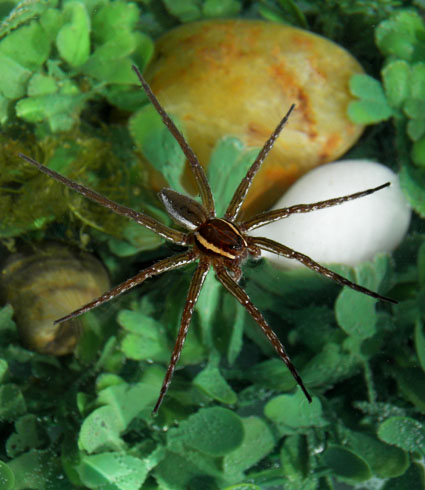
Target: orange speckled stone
239,77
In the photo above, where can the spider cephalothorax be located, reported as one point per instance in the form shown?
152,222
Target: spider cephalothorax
220,243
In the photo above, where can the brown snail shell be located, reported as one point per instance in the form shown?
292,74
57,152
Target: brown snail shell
45,285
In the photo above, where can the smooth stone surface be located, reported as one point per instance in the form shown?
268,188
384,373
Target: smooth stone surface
350,233
239,78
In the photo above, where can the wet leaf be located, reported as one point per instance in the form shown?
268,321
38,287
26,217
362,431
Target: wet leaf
7,478
294,412
403,432
347,464
112,471
258,441
214,431
211,382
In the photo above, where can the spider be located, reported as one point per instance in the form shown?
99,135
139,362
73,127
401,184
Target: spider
220,243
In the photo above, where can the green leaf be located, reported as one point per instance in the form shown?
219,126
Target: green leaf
102,428
51,21
401,36
385,461
114,19
6,319
416,129
273,375
37,46
129,401
231,333
418,152
229,162
20,14
403,432
7,478
37,470
294,457
372,106
184,10
211,382
112,471
257,443
185,469
332,364
41,85
3,370
209,303
4,109
14,78
27,436
220,8
12,402
158,145
61,111
214,431
108,63
146,339
73,39
294,412
412,181
100,431
346,464
396,82
243,486
421,265
411,382
413,479
355,312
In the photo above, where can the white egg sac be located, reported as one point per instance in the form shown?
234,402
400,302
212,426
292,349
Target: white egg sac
349,233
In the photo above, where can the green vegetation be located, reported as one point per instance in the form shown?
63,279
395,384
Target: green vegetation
233,418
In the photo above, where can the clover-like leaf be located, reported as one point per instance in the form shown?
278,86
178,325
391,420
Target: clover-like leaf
158,145
211,382
402,35
73,39
395,77
293,412
346,464
372,106
403,432
214,431
112,470
228,165
258,441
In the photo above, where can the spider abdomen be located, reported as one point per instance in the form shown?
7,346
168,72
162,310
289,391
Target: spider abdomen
220,237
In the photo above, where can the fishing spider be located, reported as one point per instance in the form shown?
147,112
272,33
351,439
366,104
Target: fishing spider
222,243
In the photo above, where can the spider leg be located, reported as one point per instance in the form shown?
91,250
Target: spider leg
150,223
197,170
243,188
277,214
279,249
244,300
164,265
192,296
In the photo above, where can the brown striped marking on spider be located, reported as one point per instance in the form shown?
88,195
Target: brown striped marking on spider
219,243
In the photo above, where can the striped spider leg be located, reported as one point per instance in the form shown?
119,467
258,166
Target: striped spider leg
219,243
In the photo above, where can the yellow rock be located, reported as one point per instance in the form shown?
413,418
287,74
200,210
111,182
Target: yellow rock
239,77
